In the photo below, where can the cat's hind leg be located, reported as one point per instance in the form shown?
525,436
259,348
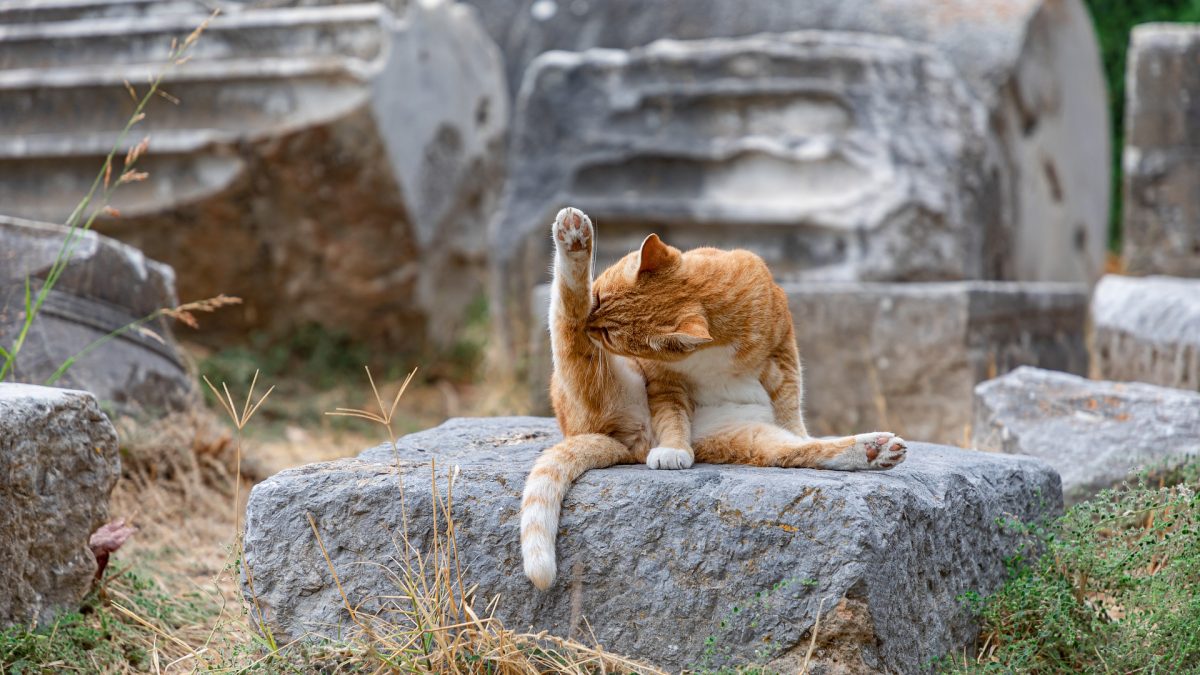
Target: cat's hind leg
762,444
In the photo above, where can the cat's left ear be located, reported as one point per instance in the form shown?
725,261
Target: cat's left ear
655,255
691,333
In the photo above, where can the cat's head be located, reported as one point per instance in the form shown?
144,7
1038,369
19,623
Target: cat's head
645,306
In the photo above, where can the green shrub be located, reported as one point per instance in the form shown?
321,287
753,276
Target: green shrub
1114,591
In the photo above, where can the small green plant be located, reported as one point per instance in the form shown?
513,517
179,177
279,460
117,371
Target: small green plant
1114,590
119,627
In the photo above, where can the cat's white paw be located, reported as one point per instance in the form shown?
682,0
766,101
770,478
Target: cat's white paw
874,451
883,450
573,231
669,458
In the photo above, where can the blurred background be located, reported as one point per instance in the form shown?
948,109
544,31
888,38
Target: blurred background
937,183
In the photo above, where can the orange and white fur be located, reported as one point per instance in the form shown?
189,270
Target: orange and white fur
671,358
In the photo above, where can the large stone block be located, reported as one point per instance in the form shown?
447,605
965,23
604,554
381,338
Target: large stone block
1093,433
886,555
1032,66
832,155
1162,151
905,357
104,286
58,464
1148,330
331,165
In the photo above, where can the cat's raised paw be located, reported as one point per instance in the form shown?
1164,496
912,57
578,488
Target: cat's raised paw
573,231
884,450
669,458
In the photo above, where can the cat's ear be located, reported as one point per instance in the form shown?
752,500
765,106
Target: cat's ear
655,254
691,333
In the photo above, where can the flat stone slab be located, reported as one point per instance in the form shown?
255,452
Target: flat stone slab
1093,433
1147,330
658,562
58,465
905,357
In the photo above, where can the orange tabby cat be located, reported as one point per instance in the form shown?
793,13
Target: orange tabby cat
670,358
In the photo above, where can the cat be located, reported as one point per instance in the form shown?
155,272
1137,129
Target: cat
670,358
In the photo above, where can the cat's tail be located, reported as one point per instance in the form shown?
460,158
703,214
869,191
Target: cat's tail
552,473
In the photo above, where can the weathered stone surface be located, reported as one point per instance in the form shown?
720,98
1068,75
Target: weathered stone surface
105,285
905,357
888,552
58,464
331,165
833,155
1148,330
1162,151
1093,433
1033,66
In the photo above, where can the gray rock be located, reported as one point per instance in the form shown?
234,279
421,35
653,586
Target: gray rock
58,464
104,286
1147,330
1093,433
331,165
905,357
1162,151
759,549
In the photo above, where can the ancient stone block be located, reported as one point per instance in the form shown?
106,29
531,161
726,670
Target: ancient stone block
1094,433
905,357
1148,330
331,165
105,286
747,556
1162,151
58,464
1033,66
834,156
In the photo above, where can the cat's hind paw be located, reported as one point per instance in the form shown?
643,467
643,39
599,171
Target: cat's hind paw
669,458
883,450
874,451
573,231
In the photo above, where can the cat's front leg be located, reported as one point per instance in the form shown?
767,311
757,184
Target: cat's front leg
572,289
671,418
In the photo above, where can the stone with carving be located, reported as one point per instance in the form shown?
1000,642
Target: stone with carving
332,165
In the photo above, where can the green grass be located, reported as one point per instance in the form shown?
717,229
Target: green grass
101,638
1114,19
1116,589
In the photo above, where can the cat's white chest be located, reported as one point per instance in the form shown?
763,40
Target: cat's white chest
716,379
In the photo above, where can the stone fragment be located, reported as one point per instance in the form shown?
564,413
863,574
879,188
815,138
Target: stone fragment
1162,151
105,286
332,165
905,357
58,465
1094,433
744,555
1148,330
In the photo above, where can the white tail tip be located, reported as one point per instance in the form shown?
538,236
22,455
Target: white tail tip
540,570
